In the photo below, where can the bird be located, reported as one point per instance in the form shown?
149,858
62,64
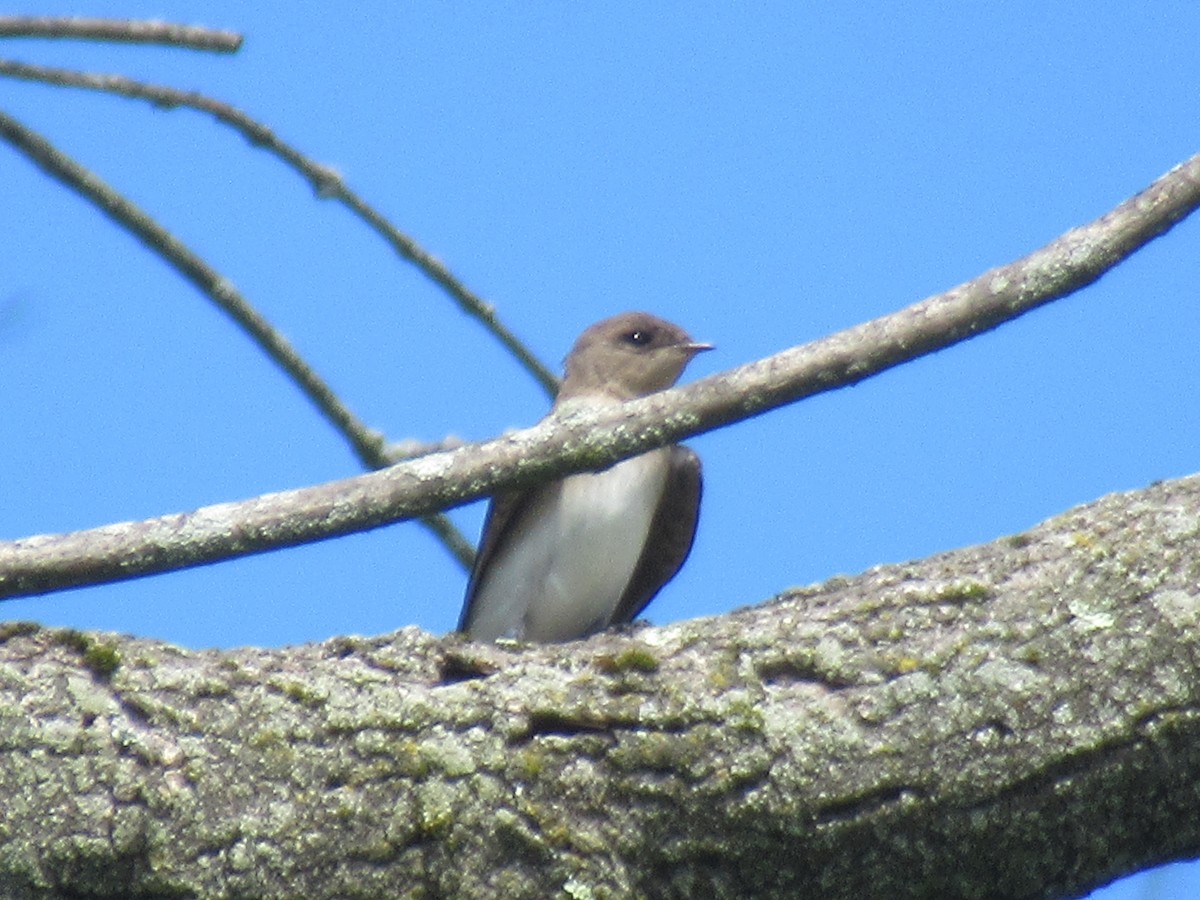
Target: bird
569,558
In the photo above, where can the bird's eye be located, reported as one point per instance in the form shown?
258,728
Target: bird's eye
639,338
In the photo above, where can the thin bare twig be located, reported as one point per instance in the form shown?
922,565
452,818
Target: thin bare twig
126,31
325,182
367,443
560,445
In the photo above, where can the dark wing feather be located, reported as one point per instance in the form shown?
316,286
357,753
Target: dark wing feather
672,531
502,512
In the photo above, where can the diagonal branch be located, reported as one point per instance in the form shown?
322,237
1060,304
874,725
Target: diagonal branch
367,443
577,442
325,182
128,31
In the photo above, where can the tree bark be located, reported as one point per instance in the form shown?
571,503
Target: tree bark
1017,719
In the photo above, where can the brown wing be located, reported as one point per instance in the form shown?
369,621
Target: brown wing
672,531
502,512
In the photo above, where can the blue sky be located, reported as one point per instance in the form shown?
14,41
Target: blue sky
763,174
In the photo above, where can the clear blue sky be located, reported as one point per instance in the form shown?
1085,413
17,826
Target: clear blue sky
762,173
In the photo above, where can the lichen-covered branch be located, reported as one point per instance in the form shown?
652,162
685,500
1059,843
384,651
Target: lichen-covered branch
1011,720
590,441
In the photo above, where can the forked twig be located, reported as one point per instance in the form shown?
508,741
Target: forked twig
325,182
367,443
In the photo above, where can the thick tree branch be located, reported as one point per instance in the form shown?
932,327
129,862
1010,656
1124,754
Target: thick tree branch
1020,719
582,441
327,184
126,31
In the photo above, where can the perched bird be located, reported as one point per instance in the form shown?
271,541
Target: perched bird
569,558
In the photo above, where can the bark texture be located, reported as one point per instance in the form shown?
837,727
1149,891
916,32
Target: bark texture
1018,719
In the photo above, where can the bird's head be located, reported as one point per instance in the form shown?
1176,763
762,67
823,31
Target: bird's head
630,355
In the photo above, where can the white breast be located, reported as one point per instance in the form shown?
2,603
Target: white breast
580,542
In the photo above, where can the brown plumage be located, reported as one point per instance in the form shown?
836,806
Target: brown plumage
569,558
